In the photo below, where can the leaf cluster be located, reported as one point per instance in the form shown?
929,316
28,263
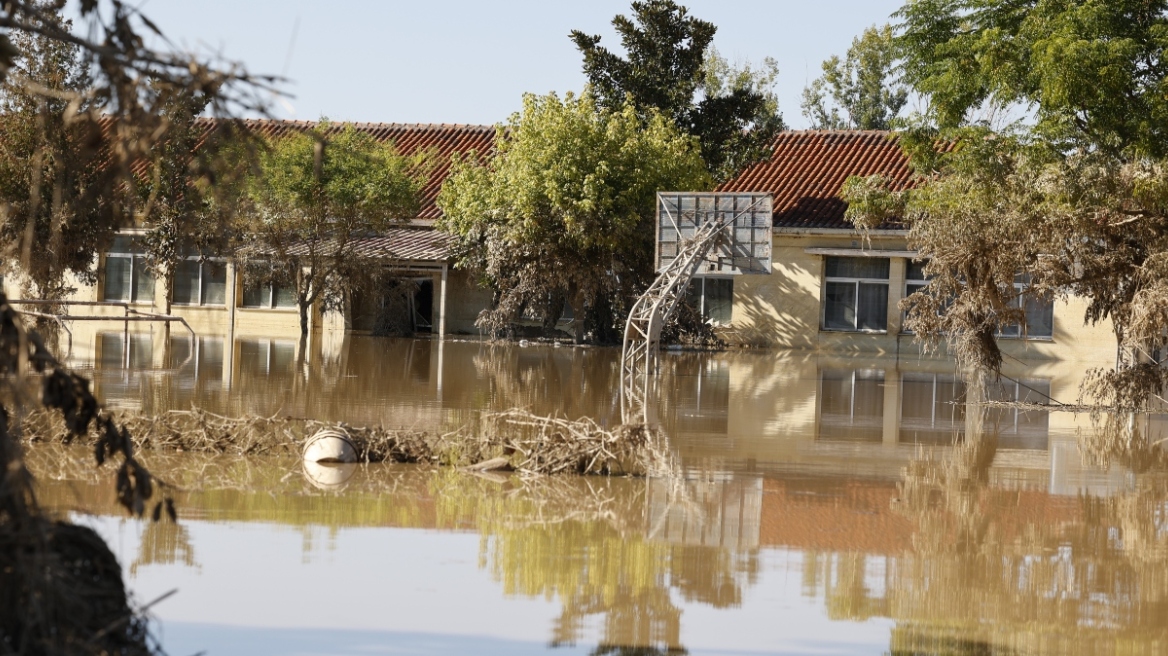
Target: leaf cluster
861,91
1070,202
670,67
1092,72
311,196
78,115
1006,209
565,208
46,566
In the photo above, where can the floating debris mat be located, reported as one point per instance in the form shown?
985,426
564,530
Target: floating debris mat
513,440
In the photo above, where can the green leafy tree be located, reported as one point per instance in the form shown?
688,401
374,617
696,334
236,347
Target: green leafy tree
189,191
1075,201
46,168
860,92
315,194
668,68
78,114
564,211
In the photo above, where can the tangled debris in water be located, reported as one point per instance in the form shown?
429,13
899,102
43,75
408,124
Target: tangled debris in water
514,440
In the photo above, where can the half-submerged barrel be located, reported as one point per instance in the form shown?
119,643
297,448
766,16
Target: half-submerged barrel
330,445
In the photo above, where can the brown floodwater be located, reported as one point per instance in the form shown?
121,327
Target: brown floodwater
822,504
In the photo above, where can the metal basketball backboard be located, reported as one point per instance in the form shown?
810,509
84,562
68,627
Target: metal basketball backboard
745,243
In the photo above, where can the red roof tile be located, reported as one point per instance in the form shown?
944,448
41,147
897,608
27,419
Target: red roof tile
807,169
441,140
404,244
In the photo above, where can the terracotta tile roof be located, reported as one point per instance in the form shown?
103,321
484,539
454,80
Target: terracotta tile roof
442,140
807,169
405,243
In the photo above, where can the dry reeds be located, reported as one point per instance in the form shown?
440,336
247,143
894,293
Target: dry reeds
517,439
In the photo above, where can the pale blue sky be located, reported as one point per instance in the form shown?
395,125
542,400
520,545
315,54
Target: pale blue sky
465,61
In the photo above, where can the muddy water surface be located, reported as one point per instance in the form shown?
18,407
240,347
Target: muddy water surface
832,505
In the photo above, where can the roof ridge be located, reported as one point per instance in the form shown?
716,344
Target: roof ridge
845,131
367,124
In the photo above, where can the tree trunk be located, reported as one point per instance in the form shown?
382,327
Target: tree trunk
576,300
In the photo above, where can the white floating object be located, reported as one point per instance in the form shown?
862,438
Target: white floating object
328,475
524,343
494,464
330,445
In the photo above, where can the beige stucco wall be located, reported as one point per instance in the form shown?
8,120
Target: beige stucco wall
785,308
464,300
463,303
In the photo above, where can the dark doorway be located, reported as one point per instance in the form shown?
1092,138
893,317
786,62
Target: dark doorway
424,306
396,307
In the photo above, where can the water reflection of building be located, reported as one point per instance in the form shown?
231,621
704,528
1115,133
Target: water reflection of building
721,513
912,407
740,411
983,562
695,398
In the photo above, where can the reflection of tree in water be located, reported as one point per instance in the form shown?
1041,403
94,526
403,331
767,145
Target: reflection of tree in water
911,641
998,571
164,543
846,592
563,381
606,650
583,541
1125,439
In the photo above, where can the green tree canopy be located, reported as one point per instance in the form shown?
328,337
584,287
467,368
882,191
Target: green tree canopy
860,92
80,110
184,196
1072,201
667,68
46,166
313,195
564,211
1092,72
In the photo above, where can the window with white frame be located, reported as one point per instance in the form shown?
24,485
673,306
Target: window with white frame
856,293
266,356
914,278
713,297
851,404
269,295
914,281
126,277
1039,313
200,281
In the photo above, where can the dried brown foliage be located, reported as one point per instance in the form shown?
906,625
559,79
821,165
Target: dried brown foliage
1003,218
80,109
60,587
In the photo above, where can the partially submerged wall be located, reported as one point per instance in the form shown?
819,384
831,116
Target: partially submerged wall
785,309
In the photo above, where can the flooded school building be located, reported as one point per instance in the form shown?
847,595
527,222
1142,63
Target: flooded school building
831,289
804,467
